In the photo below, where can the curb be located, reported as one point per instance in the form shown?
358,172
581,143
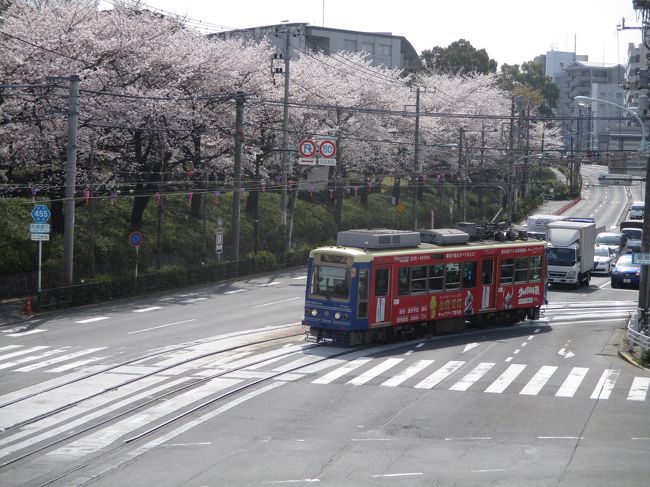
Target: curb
623,352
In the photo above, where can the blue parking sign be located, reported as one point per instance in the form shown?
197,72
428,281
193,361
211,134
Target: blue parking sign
41,213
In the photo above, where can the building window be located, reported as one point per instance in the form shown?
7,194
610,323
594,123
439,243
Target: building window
350,45
385,50
368,47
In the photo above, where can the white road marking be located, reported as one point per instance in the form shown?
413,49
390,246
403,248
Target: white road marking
538,381
572,382
275,302
57,360
91,320
468,438
299,277
102,438
145,310
466,382
70,419
560,437
439,375
605,384
375,371
78,363
505,379
469,346
409,474
372,439
24,351
407,373
296,481
509,359
23,333
639,389
269,284
200,443
341,371
9,347
31,358
160,326
489,470
193,300
235,291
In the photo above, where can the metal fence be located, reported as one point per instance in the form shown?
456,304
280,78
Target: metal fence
637,330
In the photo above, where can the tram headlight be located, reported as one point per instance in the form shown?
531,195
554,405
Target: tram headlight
313,312
337,315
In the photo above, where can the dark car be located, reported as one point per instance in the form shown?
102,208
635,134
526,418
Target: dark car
625,273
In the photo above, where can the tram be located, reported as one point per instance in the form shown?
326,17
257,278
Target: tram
382,284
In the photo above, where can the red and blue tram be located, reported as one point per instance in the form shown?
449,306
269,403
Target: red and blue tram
377,285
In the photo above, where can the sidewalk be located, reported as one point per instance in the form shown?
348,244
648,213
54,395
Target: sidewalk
12,312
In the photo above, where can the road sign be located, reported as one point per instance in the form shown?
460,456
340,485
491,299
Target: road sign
327,149
218,246
307,148
135,239
639,258
40,237
41,213
307,161
39,227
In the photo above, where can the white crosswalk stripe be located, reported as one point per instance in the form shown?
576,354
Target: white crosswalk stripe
572,382
43,357
505,379
536,383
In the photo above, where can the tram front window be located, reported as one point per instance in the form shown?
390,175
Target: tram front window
332,282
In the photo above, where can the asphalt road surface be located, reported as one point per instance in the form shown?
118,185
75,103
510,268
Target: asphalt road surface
216,386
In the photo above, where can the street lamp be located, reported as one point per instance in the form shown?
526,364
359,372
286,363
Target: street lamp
582,100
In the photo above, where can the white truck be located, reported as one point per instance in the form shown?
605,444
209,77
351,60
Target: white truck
536,226
570,253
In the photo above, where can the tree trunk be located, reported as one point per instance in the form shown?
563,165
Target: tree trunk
139,205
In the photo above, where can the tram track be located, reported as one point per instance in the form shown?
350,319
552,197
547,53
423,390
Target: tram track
130,440
131,380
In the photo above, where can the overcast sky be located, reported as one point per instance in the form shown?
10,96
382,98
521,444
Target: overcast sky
511,31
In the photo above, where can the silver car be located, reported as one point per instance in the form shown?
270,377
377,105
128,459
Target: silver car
604,259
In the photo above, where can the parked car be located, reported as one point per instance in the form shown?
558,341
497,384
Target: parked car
625,273
604,259
616,241
636,210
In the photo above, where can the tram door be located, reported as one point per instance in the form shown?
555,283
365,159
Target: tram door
381,296
487,284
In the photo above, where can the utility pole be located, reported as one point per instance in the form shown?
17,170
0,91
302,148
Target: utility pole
463,173
236,196
284,155
70,178
416,159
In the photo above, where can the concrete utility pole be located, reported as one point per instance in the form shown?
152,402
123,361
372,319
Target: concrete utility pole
416,162
284,155
644,287
236,196
70,179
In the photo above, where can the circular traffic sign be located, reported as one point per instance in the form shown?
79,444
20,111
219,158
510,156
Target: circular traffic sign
307,148
135,239
327,149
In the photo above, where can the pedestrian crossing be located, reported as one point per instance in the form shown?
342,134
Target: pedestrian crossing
44,358
488,377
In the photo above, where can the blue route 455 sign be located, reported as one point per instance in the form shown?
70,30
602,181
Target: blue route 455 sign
41,213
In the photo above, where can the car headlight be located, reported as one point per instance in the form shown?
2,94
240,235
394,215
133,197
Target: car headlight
571,275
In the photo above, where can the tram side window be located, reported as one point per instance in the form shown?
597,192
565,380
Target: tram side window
521,269
535,271
452,276
486,272
419,279
403,281
507,271
436,277
362,308
469,274
381,282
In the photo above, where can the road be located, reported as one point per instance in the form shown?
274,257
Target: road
169,390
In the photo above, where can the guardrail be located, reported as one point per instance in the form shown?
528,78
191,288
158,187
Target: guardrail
635,335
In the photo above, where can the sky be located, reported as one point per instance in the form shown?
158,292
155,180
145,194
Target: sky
511,31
